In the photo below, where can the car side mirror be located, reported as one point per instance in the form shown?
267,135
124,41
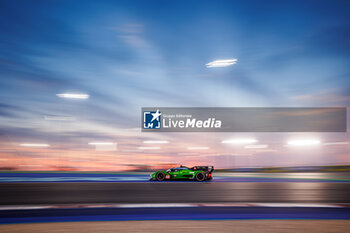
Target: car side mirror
168,170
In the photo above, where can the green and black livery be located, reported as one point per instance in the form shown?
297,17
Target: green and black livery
198,173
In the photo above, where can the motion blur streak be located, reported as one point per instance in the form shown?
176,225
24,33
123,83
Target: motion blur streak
240,141
173,213
171,192
73,96
224,226
305,142
221,63
34,145
74,76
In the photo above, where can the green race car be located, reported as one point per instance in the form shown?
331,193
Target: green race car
198,173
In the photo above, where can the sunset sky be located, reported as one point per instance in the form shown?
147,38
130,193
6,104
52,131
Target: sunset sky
133,54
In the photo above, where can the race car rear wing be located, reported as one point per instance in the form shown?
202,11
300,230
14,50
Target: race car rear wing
208,169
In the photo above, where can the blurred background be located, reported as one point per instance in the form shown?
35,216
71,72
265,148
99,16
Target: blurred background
75,74
116,57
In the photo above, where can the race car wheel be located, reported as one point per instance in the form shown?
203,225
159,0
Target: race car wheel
200,176
160,176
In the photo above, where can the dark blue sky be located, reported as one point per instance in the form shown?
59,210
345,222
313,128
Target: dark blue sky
131,54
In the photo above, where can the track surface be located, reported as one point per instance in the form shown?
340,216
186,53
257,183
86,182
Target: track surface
13,177
172,192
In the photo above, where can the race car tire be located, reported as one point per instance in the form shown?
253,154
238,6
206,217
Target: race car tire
200,176
160,176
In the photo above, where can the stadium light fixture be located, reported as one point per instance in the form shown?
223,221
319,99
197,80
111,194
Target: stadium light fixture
198,148
149,148
73,96
303,142
104,146
240,141
155,142
101,143
221,63
34,145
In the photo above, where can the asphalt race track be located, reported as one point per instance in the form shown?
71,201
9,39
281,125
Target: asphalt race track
67,198
12,177
172,192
